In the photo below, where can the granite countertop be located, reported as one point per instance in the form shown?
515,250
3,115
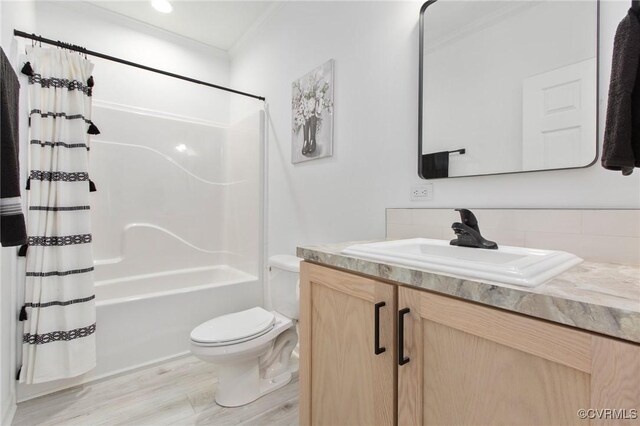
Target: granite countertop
599,297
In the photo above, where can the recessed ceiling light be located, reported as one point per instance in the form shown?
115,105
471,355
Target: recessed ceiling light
162,6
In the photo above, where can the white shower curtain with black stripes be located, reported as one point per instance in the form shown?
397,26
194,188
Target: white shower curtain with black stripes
59,312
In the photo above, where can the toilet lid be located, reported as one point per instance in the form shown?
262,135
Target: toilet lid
237,326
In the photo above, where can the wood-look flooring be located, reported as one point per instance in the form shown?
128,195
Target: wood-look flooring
178,392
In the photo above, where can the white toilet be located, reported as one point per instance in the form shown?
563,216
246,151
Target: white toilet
252,348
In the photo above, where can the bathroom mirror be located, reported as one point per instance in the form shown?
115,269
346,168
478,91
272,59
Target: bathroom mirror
507,87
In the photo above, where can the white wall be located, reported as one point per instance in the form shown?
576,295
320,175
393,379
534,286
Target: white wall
375,46
11,14
7,335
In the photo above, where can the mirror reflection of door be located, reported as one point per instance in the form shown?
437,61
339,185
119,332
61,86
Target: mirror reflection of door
558,118
513,83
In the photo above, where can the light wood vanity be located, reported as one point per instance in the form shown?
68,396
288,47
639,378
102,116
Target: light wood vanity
378,352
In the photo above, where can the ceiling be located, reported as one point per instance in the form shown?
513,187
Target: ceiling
216,23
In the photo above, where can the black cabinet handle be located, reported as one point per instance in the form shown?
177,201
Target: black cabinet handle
402,360
376,332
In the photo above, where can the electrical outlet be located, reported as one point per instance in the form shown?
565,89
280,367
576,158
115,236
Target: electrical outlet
422,192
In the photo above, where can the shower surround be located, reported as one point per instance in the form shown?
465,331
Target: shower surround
177,224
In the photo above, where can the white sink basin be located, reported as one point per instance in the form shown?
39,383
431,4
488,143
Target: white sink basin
509,265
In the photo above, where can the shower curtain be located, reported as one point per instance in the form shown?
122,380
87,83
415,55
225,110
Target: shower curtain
59,311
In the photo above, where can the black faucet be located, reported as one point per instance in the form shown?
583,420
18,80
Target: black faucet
468,232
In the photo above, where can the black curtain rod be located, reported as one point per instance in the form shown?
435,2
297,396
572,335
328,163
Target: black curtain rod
131,64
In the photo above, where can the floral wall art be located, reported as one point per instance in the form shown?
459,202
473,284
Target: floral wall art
312,115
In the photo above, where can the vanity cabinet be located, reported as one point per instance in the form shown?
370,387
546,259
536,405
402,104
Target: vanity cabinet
449,361
347,375
472,364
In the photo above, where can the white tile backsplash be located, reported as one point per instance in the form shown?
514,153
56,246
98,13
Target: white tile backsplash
402,216
611,249
496,219
622,223
435,219
402,230
508,237
556,221
553,241
611,236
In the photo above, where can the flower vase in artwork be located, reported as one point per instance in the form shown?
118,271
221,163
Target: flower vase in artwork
309,129
311,104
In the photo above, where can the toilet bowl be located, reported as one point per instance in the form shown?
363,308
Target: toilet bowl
253,347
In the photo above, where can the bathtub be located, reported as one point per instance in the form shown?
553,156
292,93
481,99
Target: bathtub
146,319
167,283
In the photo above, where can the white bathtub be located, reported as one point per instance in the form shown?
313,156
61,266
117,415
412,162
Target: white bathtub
167,283
145,319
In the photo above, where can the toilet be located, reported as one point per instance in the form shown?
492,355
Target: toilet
252,348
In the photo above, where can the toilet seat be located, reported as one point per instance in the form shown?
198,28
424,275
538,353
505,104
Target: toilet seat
234,328
245,347
232,342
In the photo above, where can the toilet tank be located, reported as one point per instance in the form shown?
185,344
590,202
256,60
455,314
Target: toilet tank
283,284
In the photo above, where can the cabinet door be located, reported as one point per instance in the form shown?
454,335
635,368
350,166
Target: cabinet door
344,380
472,364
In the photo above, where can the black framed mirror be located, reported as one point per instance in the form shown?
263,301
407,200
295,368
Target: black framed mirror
507,87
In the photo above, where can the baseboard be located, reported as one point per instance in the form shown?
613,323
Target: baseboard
10,412
106,376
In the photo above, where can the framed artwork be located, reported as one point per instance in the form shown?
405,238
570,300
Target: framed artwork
312,115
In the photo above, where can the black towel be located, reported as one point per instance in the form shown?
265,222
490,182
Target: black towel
435,165
12,229
621,150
